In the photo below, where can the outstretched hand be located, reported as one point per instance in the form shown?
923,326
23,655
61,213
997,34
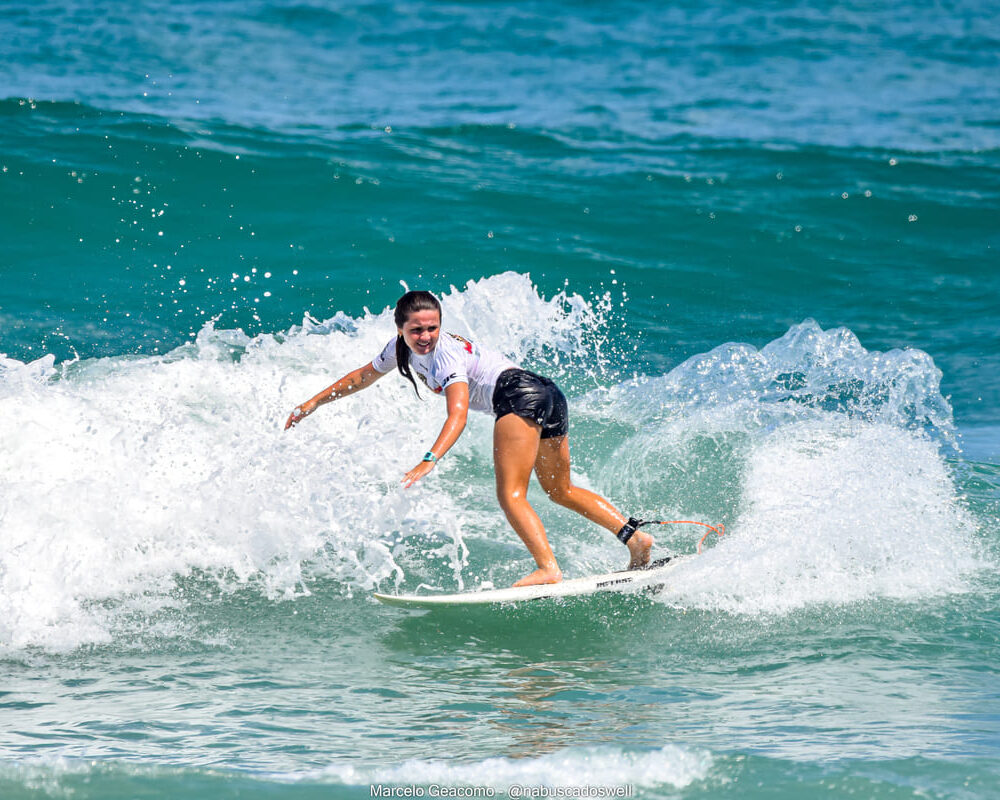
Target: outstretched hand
417,473
298,414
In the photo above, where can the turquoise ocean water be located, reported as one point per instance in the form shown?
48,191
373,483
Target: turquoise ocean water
755,243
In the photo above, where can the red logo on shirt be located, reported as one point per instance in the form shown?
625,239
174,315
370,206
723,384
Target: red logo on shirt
426,383
466,342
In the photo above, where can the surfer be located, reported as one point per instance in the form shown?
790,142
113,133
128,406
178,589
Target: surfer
530,431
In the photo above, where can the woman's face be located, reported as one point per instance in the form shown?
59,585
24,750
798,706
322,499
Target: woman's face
421,331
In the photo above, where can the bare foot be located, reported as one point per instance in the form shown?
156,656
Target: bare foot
638,547
544,575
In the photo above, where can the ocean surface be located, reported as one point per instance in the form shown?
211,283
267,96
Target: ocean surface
756,244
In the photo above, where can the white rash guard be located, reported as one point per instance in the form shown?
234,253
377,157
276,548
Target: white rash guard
453,360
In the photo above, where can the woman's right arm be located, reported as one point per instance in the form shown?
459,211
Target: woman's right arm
355,381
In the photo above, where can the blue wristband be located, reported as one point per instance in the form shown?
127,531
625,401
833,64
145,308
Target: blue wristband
429,456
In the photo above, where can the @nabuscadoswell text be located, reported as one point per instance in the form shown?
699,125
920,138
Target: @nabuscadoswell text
514,792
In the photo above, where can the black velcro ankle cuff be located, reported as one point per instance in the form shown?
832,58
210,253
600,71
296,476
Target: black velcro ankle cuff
628,529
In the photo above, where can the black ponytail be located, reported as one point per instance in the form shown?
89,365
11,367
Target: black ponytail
403,362
408,304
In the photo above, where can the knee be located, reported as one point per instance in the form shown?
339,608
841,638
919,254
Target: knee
511,497
561,494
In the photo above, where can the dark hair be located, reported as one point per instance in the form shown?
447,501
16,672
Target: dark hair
410,303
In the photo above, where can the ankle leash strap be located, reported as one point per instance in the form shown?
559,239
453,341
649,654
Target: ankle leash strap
628,529
633,524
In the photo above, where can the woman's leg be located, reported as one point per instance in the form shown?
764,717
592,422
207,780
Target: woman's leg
552,469
515,445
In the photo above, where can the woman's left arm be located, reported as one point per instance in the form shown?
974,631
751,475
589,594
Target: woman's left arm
457,396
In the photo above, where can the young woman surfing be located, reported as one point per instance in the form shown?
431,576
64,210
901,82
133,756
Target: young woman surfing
530,432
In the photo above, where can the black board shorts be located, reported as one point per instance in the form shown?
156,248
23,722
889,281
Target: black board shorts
533,397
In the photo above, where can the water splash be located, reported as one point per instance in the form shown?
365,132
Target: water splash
826,461
808,370
121,475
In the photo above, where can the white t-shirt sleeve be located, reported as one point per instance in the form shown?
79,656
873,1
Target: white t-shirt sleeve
386,360
449,364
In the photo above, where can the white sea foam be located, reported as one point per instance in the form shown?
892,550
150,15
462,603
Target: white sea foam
826,461
119,475
836,512
669,766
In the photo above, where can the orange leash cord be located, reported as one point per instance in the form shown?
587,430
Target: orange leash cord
721,529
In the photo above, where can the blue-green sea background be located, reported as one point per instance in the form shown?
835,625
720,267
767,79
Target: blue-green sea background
755,243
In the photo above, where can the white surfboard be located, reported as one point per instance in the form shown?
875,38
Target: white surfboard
648,579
